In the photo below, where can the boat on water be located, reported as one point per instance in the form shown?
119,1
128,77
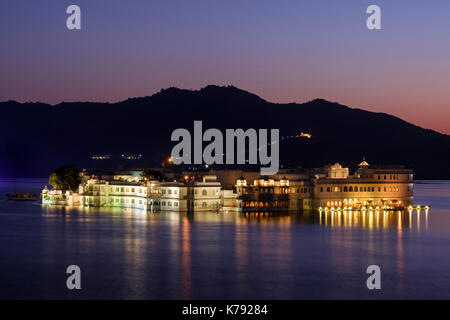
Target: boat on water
22,196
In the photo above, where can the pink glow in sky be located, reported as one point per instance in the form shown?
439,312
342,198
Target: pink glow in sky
283,51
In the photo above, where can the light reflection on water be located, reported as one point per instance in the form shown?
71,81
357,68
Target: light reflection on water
135,254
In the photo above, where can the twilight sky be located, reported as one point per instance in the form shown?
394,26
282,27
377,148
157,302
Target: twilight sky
281,50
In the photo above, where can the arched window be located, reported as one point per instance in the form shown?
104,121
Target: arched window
204,193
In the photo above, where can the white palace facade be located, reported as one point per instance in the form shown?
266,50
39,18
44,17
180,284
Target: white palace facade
148,195
328,187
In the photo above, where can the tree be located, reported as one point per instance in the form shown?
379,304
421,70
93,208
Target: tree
65,178
150,174
55,181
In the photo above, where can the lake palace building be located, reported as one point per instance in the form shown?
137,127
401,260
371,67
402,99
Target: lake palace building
331,187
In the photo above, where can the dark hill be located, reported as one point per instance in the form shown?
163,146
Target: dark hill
36,138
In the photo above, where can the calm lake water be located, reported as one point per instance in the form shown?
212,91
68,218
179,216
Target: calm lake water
133,254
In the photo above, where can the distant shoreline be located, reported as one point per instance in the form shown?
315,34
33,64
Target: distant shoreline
420,181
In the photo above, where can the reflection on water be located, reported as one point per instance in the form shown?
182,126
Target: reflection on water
135,254
371,219
411,219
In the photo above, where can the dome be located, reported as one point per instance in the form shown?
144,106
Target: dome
364,163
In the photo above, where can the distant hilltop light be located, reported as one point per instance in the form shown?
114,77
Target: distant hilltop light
101,157
305,135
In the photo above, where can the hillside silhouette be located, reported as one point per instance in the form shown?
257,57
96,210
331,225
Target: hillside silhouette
36,137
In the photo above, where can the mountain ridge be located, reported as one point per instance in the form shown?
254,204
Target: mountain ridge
39,137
